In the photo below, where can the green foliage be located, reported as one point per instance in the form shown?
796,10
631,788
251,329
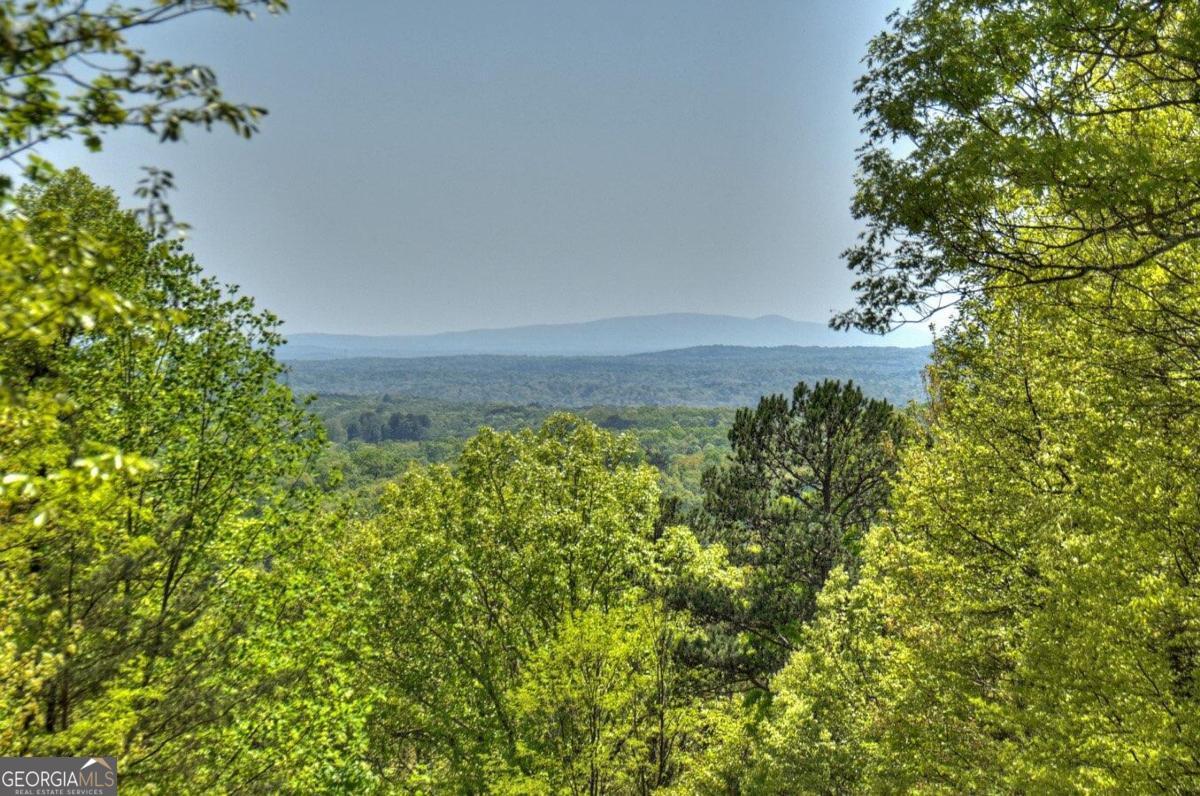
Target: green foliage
805,480
48,293
1006,138
1026,616
1046,607
70,71
602,707
515,636
373,427
1005,602
152,543
818,729
136,580
680,441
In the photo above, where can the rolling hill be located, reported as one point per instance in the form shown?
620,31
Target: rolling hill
699,376
607,337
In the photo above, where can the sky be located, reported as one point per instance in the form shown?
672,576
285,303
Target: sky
433,166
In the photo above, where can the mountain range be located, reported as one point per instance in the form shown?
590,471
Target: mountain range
606,337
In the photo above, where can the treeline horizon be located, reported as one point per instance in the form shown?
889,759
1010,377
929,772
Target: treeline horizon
994,590
701,376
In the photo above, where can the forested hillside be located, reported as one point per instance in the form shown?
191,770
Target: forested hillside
990,589
708,376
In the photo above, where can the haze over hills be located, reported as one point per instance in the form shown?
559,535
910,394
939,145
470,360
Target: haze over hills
606,337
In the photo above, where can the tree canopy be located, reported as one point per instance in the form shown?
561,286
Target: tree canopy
993,591
1014,143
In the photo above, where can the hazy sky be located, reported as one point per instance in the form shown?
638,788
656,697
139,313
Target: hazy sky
446,165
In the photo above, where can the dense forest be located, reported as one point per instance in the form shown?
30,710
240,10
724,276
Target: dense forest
992,590
704,376
680,442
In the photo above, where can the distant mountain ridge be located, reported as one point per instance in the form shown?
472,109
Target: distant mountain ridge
639,334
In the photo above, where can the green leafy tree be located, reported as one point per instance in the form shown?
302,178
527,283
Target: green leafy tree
603,706
1006,138
67,71
479,567
140,591
70,72
817,733
515,635
58,283
1035,585
407,426
370,427
1058,597
1026,617
155,605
